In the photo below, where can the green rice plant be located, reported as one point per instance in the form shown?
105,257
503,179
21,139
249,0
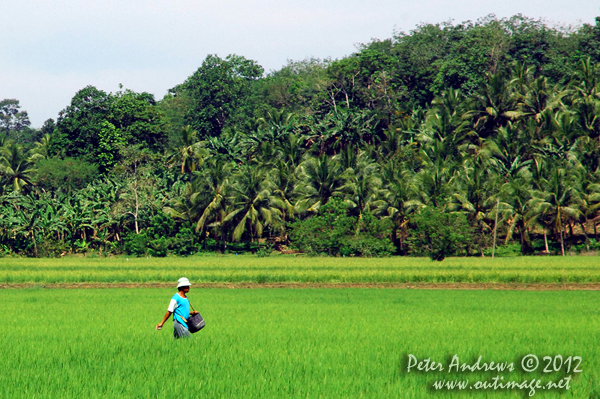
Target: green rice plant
261,343
287,269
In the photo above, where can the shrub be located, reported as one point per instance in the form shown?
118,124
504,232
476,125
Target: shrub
512,249
159,247
371,238
322,233
592,245
185,242
264,251
53,249
438,233
136,244
161,237
333,232
365,245
5,250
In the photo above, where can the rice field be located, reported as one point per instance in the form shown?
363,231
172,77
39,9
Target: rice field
266,343
287,269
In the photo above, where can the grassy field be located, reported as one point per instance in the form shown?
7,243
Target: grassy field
276,269
336,343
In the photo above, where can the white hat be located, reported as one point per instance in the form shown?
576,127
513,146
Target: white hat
183,282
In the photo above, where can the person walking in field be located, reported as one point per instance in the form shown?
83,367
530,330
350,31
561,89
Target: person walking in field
180,308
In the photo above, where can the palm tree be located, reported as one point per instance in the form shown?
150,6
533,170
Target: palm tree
444,124
290,150
514,197
213,182
253,206
590,205
475,192
338,129
203,201
435,178
509,149
491,106
586,80
398,199
283,180
389,145
319,179
40,151
588,187
557,204
362,185
16,169
26,220
190,154
537,100
187,205
586,97
521,76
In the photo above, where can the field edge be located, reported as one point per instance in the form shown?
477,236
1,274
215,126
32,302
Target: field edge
292,285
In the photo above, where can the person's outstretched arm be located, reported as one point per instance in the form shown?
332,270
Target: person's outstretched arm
167,315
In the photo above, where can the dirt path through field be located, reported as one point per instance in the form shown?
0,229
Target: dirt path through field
418,286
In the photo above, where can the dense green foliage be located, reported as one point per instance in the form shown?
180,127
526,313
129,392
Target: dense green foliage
498,120
14,123
287,343
217,91
96,124
289,269
333,232
64,174
438,234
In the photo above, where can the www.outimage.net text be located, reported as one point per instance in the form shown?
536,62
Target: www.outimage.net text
566,365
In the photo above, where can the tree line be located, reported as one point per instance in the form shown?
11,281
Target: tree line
471,135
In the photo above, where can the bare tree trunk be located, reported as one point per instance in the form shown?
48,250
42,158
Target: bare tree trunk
521,238
35,250
571,230
546,242
587,240
333,101
137,208
495,229
562,243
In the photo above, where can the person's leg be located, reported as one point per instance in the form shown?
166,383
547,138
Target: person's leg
180,331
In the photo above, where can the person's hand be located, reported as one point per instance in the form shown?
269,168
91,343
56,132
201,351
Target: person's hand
159,326
194,312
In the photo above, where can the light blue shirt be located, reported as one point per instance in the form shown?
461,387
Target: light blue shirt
180,308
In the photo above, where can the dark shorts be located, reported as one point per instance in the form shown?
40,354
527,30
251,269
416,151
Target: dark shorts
180,330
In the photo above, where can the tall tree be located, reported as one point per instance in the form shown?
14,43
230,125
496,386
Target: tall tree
13,121
80,125
96,124
217,90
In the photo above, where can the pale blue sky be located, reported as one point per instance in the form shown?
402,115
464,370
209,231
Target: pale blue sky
52,48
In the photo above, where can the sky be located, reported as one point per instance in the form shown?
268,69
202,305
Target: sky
50,49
